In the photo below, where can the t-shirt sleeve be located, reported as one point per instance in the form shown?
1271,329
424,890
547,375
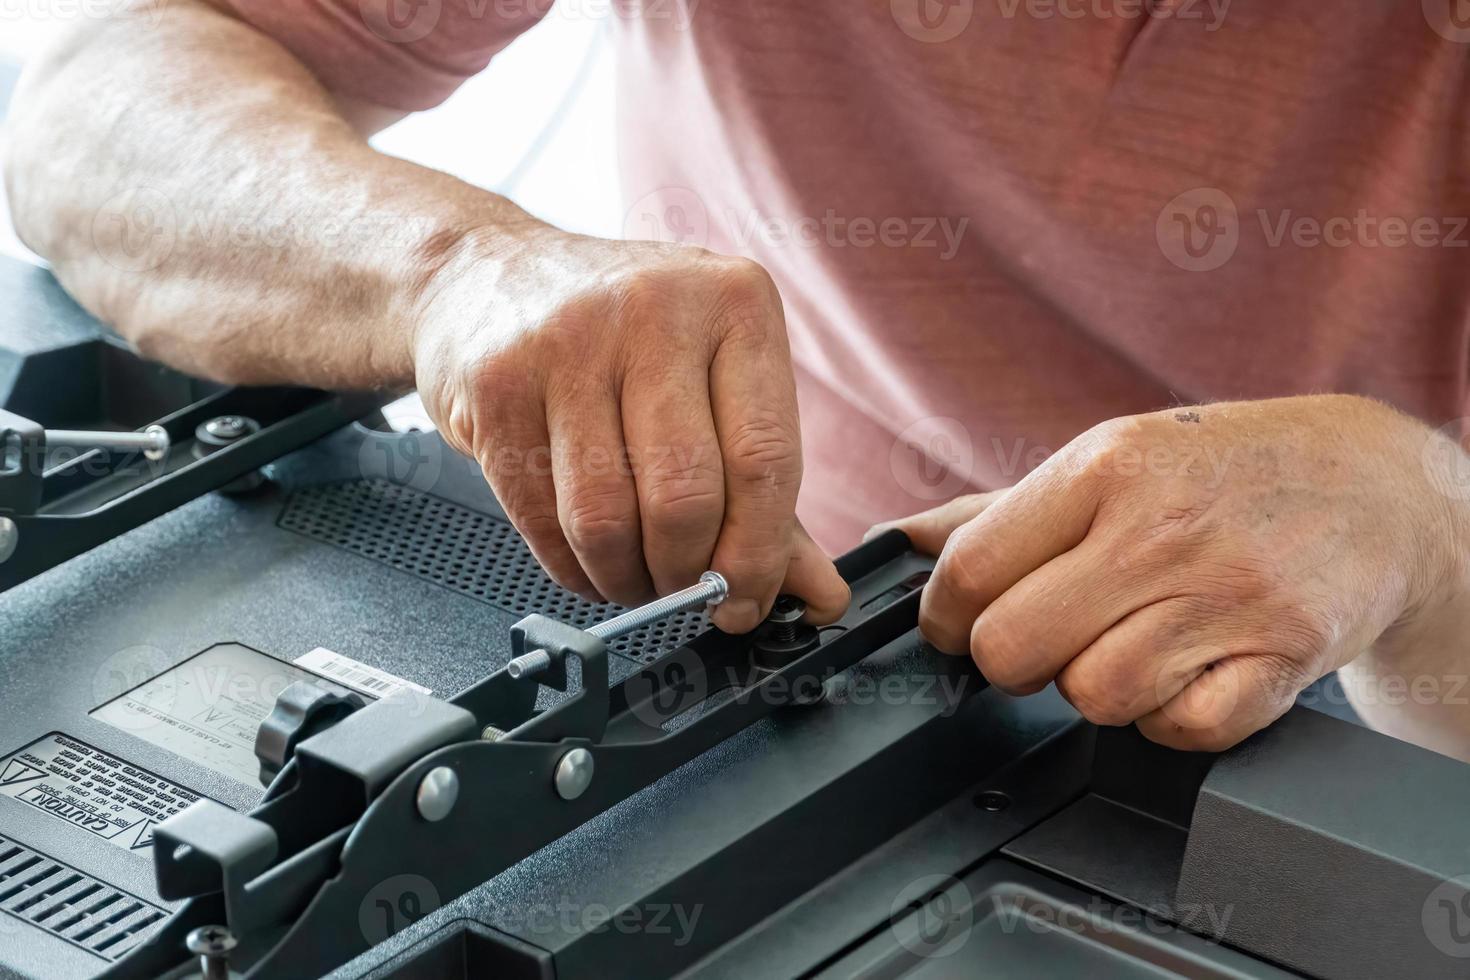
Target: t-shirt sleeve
400,54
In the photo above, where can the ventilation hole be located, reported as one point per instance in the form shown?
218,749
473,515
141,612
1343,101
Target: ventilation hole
53,901
471,553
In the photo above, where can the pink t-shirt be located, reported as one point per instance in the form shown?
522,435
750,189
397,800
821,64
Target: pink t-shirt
996,223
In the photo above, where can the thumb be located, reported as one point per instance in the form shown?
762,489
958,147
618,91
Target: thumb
930,529
813,578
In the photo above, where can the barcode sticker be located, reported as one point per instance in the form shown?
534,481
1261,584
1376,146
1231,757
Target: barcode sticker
356,675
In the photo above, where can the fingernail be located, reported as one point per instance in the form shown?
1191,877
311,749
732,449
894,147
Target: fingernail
876,530
738,615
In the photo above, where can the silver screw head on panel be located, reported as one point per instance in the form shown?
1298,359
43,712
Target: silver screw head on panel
574,774
438,791
9,538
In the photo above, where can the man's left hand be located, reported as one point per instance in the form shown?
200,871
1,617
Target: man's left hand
1193,570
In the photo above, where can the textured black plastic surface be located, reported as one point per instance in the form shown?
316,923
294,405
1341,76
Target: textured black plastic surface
465,550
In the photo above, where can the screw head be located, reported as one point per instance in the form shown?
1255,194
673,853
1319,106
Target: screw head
210,941
227,427
159,449
720,588
9,538
787,609
574,774
992,801
438,791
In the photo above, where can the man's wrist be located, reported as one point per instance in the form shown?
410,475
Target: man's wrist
457,270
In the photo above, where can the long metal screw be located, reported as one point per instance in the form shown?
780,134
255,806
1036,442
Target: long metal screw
152,442
711,591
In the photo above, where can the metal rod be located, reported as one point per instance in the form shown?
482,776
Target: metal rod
710,591
152,442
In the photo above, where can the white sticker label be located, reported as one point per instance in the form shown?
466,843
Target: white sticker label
358,676
90,789
208,708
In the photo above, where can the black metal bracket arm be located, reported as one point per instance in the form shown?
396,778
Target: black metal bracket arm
408,785
54,509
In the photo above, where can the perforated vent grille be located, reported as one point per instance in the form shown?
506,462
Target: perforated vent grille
461,549
72,905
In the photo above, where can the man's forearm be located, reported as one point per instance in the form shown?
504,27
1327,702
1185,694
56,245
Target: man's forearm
193,185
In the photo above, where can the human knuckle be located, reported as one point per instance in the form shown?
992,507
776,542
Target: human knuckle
532,521
960,570
680,505
598,517
764,447
1094,699
746,301
1001,654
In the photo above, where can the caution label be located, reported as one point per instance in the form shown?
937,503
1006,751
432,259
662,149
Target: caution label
92,790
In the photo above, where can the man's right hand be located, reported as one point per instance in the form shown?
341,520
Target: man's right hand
632,404
633,407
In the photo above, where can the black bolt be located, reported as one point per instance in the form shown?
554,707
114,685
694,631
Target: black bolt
785,618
